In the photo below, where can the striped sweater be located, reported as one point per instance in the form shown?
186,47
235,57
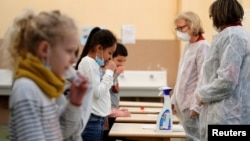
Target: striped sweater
35,117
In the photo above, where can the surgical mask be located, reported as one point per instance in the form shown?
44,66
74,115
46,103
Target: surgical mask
183,36
99,61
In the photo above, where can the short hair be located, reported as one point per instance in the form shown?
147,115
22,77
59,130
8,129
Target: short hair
193,22
120,50
225,12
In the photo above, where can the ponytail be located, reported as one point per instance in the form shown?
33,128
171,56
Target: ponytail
87,46
14,44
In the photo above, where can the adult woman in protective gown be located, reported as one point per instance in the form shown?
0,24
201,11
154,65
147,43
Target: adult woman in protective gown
225,93
189,29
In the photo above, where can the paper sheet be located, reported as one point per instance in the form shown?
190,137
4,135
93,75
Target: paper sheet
176,127
145,126
128,34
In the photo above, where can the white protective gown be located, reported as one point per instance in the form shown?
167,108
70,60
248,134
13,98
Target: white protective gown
226,75
186,84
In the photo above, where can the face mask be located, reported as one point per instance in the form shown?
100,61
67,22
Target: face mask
183,36
99,60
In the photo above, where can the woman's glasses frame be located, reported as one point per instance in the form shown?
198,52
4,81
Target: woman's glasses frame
180,28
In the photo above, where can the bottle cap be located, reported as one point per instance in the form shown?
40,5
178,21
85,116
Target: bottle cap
165,90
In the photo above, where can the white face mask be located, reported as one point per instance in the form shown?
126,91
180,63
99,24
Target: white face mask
183,36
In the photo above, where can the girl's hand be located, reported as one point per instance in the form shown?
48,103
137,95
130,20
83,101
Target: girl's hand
78,90
111,65
124,109
124,114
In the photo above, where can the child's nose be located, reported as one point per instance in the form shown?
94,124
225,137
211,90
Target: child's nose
73,59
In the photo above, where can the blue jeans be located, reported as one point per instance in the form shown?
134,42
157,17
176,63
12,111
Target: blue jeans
94,129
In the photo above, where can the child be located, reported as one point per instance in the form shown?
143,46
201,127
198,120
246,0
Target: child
119,57
98,51
41,48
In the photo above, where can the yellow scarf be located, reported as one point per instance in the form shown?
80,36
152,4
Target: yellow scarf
48,82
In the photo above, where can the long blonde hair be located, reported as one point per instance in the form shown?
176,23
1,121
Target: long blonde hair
29,29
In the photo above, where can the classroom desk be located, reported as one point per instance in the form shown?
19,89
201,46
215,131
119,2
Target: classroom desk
145,110
140,104
143,118
143,132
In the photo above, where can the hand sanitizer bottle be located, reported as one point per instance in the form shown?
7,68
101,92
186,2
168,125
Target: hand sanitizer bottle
164,122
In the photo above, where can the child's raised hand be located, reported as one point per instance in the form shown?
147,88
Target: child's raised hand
119,69
78,90
111,65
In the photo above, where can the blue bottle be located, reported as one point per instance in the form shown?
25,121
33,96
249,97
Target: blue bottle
164,122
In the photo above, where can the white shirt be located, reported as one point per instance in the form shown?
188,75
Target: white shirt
101,104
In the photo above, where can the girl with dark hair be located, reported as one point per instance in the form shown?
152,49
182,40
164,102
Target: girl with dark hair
97,53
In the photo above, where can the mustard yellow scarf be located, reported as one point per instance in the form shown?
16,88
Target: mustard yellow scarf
48,82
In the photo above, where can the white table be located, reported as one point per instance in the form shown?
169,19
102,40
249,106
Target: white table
143,118
142,110
139,104
144,132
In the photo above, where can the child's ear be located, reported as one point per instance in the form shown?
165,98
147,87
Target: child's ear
99,47
43,49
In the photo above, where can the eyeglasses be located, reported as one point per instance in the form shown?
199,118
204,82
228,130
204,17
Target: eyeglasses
179,28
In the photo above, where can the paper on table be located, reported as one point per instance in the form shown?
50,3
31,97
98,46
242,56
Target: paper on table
152,115
145,126
176,127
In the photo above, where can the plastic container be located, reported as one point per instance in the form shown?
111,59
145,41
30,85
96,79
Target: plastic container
164,122
71,74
